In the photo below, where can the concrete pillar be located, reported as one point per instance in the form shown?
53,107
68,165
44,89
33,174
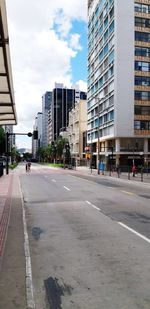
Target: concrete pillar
117,145
117,159
145,145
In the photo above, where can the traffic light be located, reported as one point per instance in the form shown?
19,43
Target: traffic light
35,134
29,134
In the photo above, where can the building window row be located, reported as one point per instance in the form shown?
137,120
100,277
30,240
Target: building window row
142,95
142,8
142,125
142,110
142,22
142,36
142,66
142,51
103,119
142,81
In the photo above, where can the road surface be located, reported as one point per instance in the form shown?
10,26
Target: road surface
89,241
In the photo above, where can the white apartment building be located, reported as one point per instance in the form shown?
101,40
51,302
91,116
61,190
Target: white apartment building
77,126
119,80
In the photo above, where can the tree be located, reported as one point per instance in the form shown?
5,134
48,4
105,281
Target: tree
15,155
2,140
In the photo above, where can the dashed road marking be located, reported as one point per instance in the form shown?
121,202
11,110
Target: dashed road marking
66,188
133,231
53,180
129,193
89,203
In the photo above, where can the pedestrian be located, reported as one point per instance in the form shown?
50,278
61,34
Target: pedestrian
29,166
26,167
133,170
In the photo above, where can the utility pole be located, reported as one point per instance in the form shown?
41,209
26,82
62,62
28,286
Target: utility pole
7,145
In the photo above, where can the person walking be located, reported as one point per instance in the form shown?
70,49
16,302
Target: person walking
133,170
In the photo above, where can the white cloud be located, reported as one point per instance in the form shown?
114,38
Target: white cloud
42,46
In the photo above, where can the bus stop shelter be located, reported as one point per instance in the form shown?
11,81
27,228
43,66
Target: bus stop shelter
7,101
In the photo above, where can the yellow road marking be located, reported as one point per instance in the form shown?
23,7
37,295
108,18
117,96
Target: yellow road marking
129,193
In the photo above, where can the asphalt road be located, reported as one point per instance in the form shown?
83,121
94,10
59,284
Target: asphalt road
89,241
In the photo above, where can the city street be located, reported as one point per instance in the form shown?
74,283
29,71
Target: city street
89,240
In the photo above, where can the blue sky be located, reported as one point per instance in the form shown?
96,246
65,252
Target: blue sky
48,45
79,63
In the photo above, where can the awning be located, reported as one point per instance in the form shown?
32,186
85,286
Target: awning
7,101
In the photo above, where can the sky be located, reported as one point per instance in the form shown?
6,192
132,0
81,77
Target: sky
47,45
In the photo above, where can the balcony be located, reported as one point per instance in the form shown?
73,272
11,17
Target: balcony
142,88
142,44
141,117
141,14
143,103
140,58
142,132
142,29
142,73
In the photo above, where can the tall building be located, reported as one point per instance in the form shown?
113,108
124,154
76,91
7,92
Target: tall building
119,80
46,104
63,100
76,127
36,143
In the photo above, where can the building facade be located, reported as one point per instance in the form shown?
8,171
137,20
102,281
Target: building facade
36,143
119,80
63,100
46,105
76,128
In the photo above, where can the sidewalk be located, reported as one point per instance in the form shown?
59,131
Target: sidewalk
12,258
5,208
114,176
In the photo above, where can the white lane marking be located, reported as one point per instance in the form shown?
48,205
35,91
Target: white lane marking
53,180
89,203
66,188
29,282
45,176
133,231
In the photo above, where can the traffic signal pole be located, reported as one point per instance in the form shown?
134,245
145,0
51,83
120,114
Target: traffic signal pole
7,147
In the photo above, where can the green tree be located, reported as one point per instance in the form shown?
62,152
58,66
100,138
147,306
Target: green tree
15,155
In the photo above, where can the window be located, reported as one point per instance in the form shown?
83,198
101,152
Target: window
142,22
142,36
142,8
142,125
142,95
142,80
137,125
142,51
142,110
142,66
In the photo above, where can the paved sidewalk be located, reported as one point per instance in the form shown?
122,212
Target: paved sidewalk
12,257
5,208
123,176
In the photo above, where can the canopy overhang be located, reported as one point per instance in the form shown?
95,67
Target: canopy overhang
7,101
